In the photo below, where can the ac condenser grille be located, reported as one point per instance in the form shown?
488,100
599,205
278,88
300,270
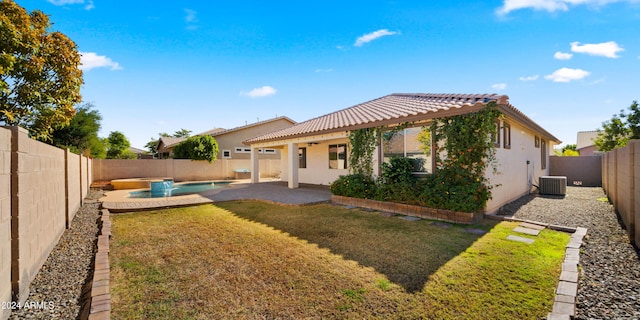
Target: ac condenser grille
553,185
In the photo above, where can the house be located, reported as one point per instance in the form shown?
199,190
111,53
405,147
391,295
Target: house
585,145
315,151
230,140
141,154
165,145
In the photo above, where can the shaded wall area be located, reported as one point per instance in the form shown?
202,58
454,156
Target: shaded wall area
620,176
41,188
585,171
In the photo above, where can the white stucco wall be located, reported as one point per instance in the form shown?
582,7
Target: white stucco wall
518,167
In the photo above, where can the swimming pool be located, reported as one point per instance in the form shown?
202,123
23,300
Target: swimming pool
181,189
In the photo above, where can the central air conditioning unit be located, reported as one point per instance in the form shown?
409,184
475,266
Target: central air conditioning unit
553,185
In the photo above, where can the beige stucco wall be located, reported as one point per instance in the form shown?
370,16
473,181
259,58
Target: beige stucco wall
5,219
178,169
317,171
231,140
518,167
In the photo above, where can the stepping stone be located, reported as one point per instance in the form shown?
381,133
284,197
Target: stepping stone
532,226
387,214
520,239
349,207
476,231
531,232
443,225
410,218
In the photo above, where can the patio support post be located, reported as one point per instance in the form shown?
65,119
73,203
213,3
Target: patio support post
292,165
255,166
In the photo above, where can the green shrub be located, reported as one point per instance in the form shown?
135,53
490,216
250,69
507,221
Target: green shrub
354,185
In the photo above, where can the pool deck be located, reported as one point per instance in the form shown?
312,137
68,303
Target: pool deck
270,191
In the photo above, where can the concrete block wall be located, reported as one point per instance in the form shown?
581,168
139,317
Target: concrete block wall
585,171
5,220
73,193
621,175
40,192
38,207
178,169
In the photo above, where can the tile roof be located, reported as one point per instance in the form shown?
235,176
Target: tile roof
220,131
397,108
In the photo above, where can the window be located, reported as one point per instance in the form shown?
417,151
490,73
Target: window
226,154
543,154
414,143
537,142
267,151
243,150
506,135
302,158
338,156
496,135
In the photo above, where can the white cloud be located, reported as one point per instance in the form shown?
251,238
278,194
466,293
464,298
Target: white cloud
562,55
373,36
89,4
191,16
499,86
324,70
605,49
551,5
263,91
567,75
529,78
90,60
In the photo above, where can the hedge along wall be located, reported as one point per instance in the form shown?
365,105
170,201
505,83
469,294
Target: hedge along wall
41,190
620,176
179,169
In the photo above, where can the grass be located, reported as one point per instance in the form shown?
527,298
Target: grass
257,260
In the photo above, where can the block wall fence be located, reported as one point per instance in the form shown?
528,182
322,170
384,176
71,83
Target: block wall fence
620,177
180,169
41,189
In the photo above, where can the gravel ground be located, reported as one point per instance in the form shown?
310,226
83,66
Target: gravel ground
610,277
59,283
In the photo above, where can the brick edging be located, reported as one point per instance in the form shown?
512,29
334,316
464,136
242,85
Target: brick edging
100,294
564,304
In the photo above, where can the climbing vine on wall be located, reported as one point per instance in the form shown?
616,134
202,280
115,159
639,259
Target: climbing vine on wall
463,147
363,142
464,150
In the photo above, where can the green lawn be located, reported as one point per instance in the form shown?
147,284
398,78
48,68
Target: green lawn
251,260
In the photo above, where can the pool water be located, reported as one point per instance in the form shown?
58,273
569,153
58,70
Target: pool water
181,189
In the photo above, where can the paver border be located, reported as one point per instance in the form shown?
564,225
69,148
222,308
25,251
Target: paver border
564,305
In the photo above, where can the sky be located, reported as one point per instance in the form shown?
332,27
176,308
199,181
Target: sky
161,66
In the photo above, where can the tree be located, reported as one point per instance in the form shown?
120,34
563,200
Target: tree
182,133
81,134
118,146
197,148
39,75
614,133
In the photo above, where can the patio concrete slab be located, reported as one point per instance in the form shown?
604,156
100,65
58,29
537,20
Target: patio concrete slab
273,191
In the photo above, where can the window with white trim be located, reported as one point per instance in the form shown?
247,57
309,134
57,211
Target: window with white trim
226,154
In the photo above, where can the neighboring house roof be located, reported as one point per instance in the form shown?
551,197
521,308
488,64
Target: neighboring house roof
168,142
138,151
220,131
398,108
211,132
585,139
